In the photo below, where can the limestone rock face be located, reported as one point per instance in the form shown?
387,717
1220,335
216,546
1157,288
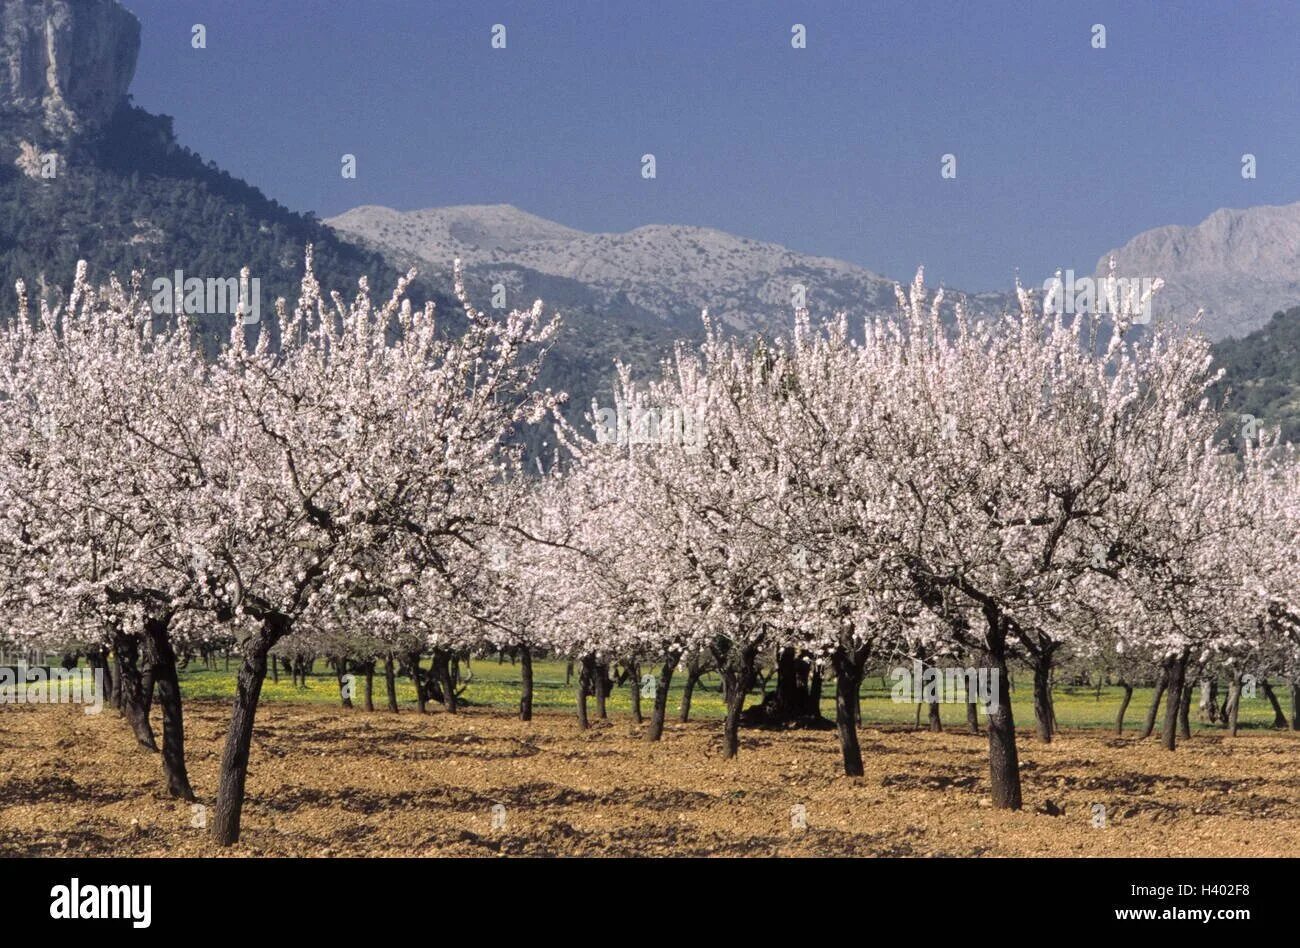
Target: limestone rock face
1239,266
64,66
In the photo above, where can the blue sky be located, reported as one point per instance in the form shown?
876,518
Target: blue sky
1063,151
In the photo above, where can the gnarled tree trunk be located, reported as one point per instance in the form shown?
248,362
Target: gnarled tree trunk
134,706
660,710
369,669
1004,762
1233,706
848,680
239,739
736,665
417,678
163,659
1123,705
340,672
1162,685
603,683
441,669
1279,719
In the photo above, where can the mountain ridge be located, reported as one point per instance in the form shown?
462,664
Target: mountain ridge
1239,265
671,271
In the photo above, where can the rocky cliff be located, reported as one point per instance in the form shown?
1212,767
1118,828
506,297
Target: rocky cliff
1239,266
65,65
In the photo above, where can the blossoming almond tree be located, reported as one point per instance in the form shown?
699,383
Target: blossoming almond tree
366,423
115,426
1008,440
700,465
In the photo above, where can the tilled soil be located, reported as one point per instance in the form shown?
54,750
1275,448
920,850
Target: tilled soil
330,782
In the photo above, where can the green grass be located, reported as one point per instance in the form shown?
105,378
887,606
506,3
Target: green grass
497,685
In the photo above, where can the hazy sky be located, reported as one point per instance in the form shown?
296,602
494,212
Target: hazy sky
1063,151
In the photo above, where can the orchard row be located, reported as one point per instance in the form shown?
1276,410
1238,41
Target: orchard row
1044,490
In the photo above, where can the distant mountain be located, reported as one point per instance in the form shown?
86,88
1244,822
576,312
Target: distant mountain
86,175
667,272
629,295
1237,265
1262,373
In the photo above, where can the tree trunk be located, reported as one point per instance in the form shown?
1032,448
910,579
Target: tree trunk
1162,685
1123,706
239,739
1233,706
417,676
692,679
526,682
634,672
1004,762
390,682
134,707
1185,710
602,690
446,684
790,698
797,696
1279,719
1177,667
115,695
340,670
848,679
660,710
147,690
370,684
1043,714
586,674
936,722
737,669
1294,686
973,716
99,661
163,658
1208,706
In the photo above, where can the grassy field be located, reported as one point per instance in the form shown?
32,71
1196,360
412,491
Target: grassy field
496,685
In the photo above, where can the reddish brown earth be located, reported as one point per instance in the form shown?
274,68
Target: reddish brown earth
328,782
